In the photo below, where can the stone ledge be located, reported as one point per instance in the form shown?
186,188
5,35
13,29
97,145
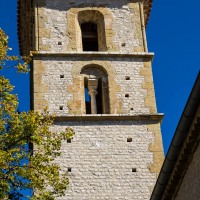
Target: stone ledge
91,54
110,117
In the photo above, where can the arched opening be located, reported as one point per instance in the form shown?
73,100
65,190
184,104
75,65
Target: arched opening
91,32
89,37
99,97
96,90
87,97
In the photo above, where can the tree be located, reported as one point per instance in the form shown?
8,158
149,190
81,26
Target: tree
20,167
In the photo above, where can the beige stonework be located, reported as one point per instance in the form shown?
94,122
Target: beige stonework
146,71
116,154
73,30
156,148
42,31
78,88
57,22
40,88
102,161
122,20
136,21
64,91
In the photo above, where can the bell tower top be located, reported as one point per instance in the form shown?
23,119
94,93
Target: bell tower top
60,26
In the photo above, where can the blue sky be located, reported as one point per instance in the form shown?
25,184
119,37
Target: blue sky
173,34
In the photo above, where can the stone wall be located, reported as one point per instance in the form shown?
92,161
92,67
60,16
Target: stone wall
103,164
58,25
59,83
115,158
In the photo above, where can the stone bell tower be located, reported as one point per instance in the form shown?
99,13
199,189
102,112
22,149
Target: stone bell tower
91,68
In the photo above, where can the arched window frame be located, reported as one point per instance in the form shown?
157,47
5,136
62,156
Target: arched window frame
93,17
74,33
96,72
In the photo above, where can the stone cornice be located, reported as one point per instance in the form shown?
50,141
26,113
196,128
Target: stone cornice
110,117
93,54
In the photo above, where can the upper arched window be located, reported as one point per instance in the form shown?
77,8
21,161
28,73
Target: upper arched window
96,90
92,30
89,37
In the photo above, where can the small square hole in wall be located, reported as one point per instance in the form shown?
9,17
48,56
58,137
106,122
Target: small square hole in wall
134,170
59,43
61,107
127,78
126,95
129,139
62,76
69,169
131,109
123,44
69,140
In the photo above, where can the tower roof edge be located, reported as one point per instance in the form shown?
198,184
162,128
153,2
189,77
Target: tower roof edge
147,9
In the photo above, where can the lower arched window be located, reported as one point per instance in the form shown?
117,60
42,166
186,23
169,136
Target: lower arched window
96,90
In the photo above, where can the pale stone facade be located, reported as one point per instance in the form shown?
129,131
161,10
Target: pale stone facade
60,91
102,162
115,154
57,21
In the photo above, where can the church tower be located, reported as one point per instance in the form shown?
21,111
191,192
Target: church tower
92,69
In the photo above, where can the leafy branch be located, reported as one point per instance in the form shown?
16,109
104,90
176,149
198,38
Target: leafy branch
22,168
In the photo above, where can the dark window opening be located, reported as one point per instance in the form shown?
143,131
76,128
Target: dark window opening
99,97
87,98
89,37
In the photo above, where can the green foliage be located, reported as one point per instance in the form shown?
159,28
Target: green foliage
20,167
21,66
